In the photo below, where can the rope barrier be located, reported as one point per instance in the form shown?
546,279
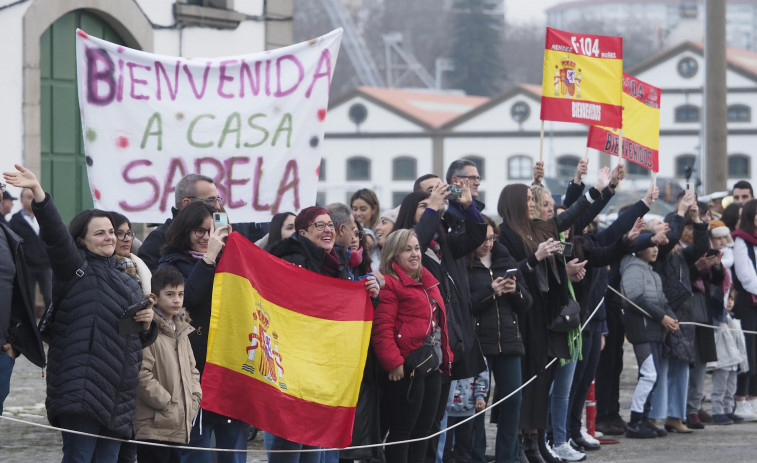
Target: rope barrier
703,325
355,447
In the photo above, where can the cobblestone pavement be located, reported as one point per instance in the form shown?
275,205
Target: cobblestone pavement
21,443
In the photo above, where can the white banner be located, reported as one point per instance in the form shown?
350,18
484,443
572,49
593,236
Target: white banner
253,123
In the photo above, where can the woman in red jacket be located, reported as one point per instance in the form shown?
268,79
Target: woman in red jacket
410,317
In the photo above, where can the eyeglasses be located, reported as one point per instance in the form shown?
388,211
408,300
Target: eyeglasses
491,238
321,225
122,235
359,233
201,232
211,200
475,178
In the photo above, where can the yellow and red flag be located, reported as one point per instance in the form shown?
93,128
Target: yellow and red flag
286,347
582,79
641,126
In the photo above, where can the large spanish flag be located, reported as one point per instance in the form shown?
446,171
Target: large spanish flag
286,347
641,126
582,78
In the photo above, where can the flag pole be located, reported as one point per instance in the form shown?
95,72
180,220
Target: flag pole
541,142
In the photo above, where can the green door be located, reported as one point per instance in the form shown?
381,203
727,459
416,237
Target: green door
64,171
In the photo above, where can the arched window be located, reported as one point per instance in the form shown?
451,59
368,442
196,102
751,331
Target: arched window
739,166
404,168
566,166
687,113
519,167
739,113
480,164
322,170
636,170
682,162
358,168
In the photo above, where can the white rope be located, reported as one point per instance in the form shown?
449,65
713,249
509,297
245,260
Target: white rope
703,325
383,444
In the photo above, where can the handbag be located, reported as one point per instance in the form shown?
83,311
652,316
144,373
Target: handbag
568,319
48,318
421,361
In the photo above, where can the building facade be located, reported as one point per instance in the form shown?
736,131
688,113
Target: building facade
392,145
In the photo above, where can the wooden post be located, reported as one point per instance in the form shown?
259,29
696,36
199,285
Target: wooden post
541,142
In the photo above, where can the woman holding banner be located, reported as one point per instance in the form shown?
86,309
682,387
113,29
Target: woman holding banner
193,246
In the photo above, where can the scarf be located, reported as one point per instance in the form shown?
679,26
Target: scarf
331,265
751,239
356,258
126,265
196,255
575,337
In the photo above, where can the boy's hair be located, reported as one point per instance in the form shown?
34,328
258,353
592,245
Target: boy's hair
165,277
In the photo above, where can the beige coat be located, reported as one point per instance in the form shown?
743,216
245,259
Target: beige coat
169,391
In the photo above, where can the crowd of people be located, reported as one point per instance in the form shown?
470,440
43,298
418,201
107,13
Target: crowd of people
463,303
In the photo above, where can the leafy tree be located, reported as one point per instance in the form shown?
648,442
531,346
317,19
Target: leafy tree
476,49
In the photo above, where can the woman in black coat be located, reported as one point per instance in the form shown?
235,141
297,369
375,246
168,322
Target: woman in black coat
193,246
498,297
92,370
534,244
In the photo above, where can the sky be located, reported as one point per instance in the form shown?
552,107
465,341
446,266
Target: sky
528,10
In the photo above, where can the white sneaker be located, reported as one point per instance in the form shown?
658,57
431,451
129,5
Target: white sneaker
744,410
752,405
589,438
568,453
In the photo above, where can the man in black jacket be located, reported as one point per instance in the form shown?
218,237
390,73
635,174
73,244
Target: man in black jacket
18,330
38,270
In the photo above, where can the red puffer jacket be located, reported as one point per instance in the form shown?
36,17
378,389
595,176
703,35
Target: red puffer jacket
402,320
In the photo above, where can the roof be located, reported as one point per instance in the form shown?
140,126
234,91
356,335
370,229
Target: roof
742,61
530,90
434,109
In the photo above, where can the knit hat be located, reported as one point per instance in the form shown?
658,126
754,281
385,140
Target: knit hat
718,229
307,216
391,215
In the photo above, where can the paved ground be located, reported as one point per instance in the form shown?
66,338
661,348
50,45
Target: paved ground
21,443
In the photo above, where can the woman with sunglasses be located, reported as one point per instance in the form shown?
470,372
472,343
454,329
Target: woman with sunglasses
193,246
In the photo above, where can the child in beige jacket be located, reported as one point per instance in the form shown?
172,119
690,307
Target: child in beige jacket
169,393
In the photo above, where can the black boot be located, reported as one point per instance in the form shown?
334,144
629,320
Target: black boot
531,448
545,448
521,454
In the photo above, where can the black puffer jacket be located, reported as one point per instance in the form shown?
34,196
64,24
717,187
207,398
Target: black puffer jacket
92,371
497,317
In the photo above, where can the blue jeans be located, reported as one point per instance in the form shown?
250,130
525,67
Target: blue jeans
85,449
6,369
559,398
507,376
442,440
273,442
230,434
586,369
669,399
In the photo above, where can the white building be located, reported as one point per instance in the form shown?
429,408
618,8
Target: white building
40,120
664,15
376,138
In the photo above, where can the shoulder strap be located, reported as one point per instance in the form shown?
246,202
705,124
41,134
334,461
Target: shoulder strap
570,284
78,274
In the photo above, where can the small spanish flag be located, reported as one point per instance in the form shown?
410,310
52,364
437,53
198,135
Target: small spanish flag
286,347
582,78
641,126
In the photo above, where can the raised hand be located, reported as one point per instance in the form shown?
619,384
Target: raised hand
538,172
604,179
652,194
438,195
25,178
581,169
